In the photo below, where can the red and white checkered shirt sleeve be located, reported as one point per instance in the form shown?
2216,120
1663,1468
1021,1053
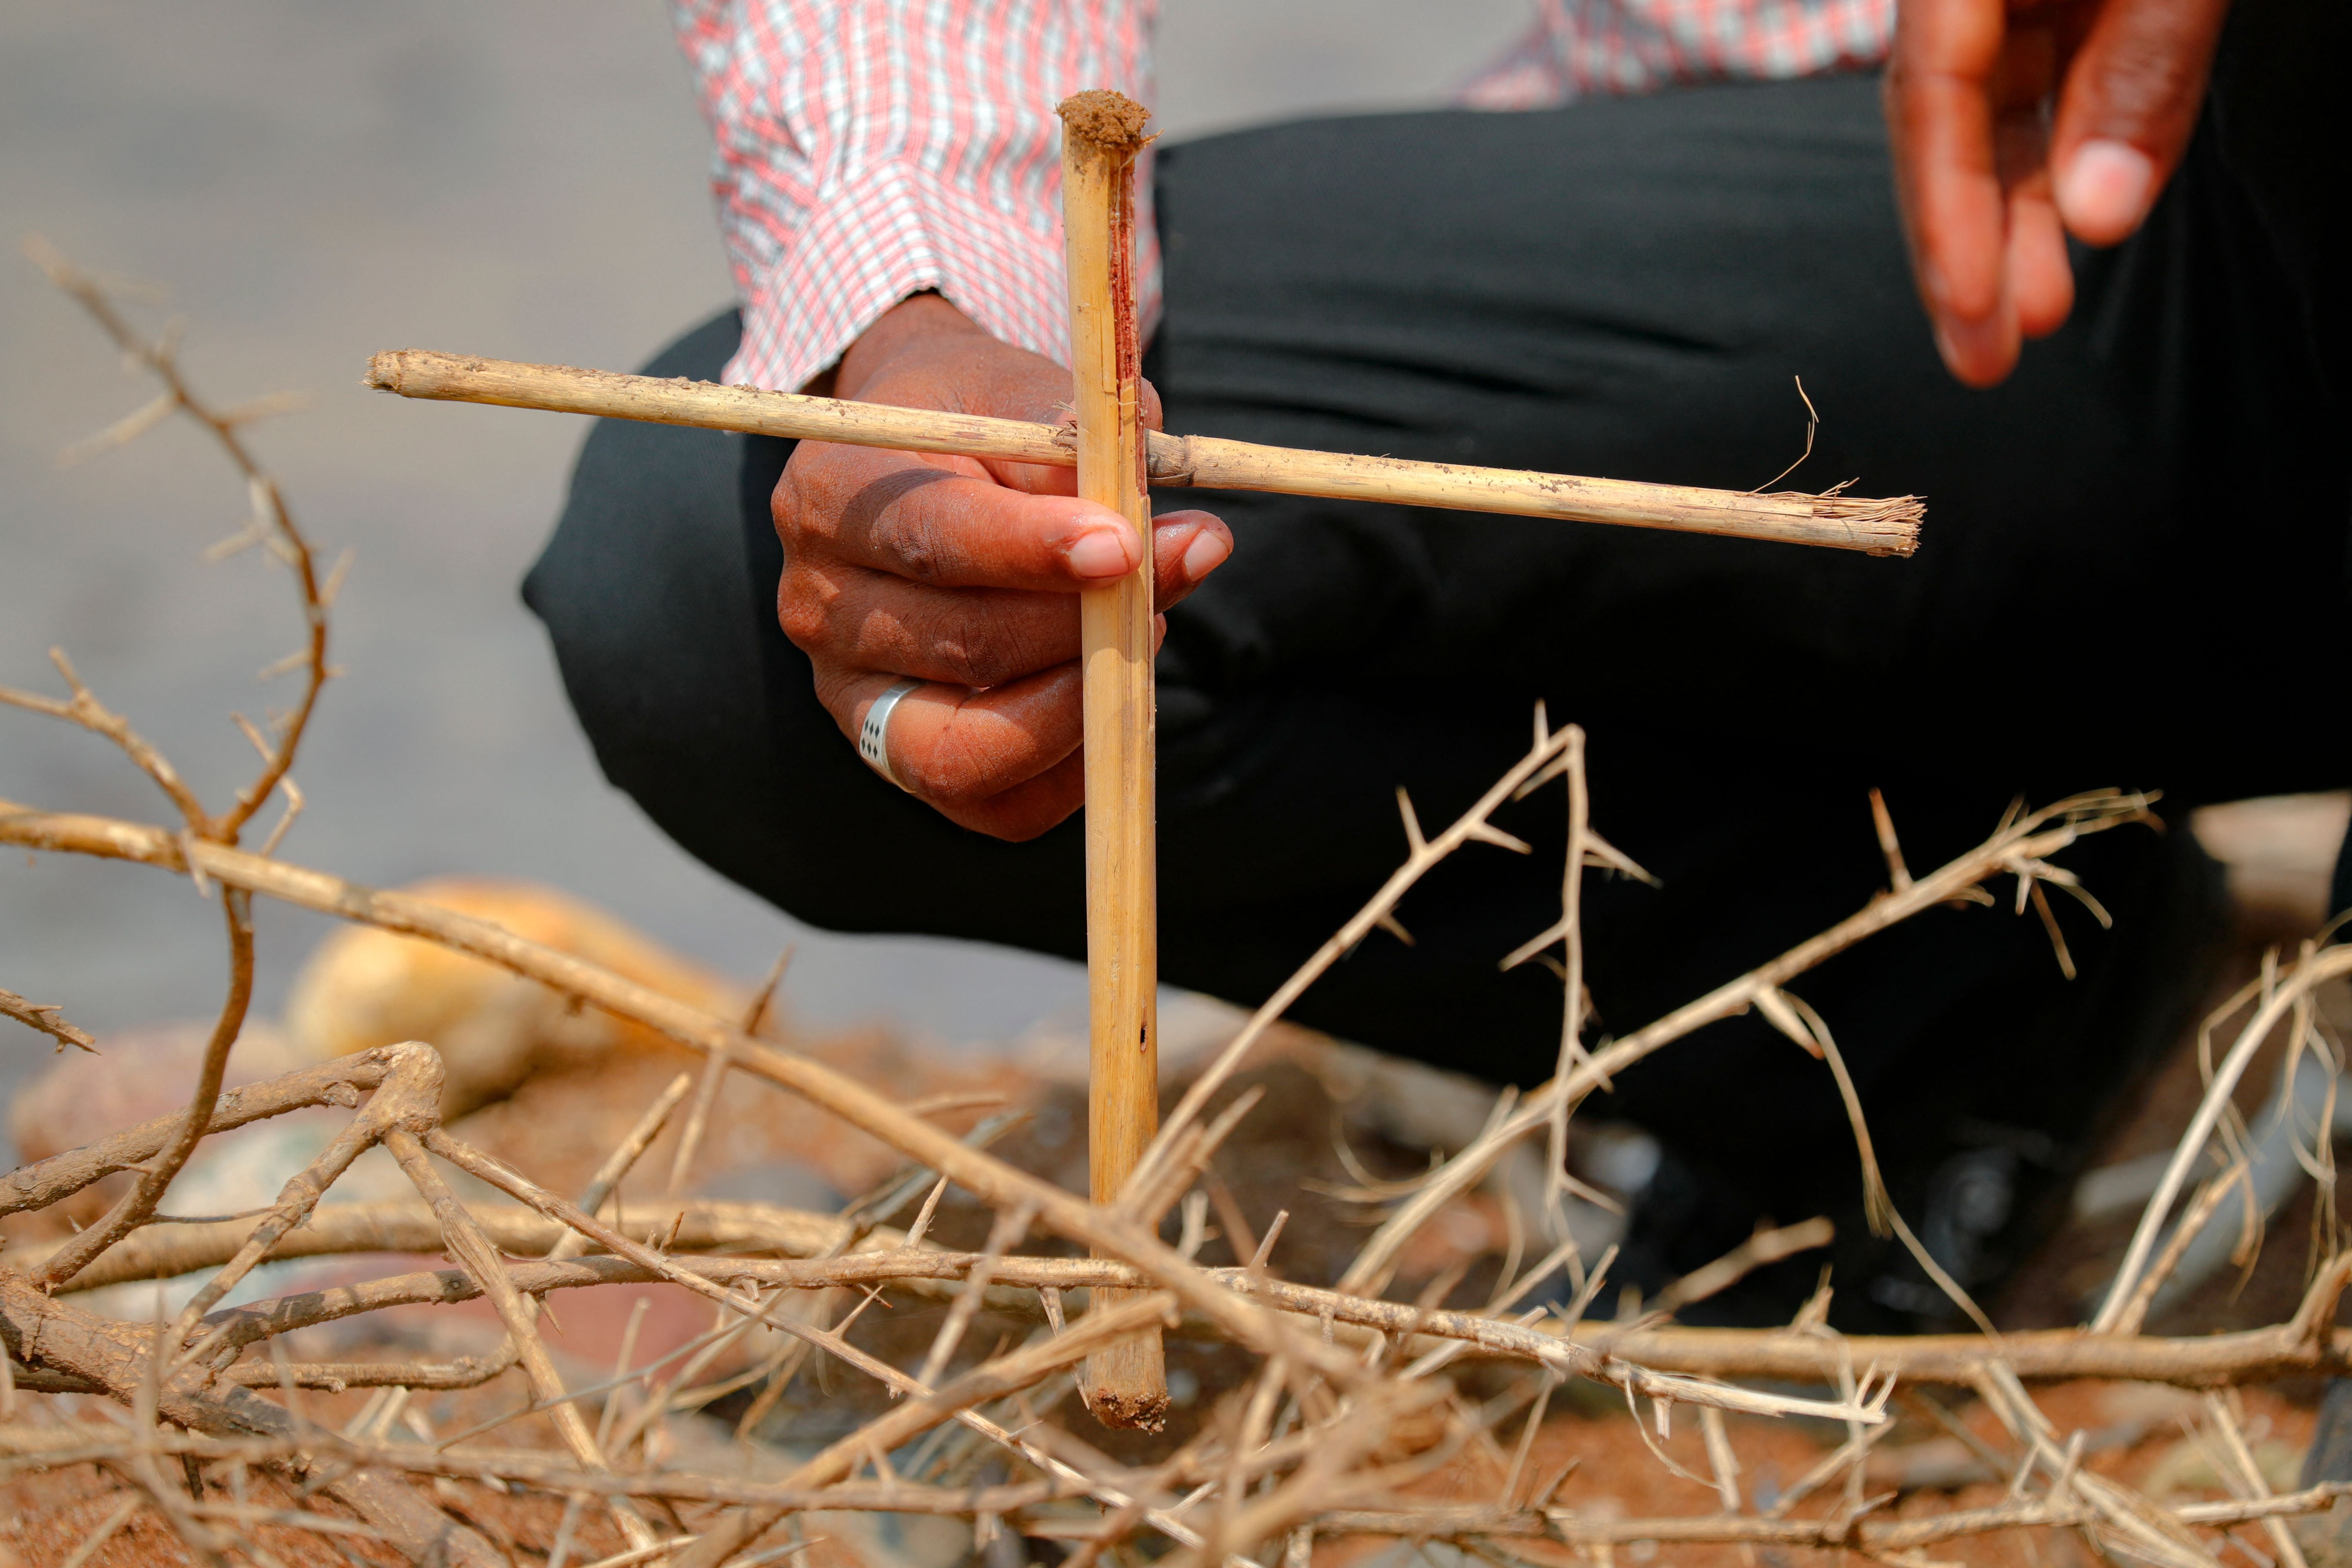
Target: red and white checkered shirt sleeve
1579,48
868,149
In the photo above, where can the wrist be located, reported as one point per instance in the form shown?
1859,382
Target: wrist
913,325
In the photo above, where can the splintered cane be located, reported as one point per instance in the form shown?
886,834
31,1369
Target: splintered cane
1125,1383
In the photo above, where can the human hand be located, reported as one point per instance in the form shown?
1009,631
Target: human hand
963,573
2015,123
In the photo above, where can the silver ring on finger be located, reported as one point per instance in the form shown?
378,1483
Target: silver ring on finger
874,733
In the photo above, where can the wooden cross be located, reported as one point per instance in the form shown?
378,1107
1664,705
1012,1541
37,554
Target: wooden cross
1116,462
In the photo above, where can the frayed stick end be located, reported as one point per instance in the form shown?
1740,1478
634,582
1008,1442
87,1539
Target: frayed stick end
1111,121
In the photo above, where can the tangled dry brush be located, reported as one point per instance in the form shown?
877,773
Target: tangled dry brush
1351,1405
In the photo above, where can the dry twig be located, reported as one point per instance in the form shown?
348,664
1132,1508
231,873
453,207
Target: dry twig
47,1017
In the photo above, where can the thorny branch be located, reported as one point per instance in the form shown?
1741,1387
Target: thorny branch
2020,846
272,524
47,1017
1347,1412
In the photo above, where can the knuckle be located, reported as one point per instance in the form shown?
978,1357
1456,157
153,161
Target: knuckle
821,490
812,610
886,511
795,513
804,609
804,625
984,652
914,555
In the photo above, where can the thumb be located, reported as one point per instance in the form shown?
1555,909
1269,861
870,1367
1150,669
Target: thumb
2127,108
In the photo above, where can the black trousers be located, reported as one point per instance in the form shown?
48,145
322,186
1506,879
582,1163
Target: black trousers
2134,574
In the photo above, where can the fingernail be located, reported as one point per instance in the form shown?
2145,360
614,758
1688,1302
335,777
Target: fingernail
1205,554
2105,189
1097,552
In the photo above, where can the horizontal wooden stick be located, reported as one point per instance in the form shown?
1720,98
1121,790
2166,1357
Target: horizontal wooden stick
1885,527
2303,1345
1645,1358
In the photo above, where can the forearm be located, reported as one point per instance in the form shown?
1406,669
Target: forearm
869,152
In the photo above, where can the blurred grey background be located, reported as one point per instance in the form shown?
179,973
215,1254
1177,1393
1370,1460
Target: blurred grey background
312,183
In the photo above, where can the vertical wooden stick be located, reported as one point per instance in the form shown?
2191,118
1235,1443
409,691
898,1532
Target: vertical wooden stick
1125,1384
